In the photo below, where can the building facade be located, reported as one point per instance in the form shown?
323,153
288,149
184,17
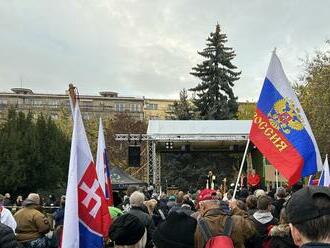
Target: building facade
158,109
106,105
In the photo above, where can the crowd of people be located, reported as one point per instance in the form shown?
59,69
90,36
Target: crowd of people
296,217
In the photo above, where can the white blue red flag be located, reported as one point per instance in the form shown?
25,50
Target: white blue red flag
87,218
102,166
281,130
325,174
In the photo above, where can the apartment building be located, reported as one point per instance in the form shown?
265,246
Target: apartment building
105,105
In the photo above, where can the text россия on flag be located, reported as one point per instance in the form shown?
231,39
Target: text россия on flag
281,130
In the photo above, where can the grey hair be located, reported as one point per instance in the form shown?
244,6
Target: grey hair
136,199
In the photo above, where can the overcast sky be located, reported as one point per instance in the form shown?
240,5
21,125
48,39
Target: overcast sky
147,47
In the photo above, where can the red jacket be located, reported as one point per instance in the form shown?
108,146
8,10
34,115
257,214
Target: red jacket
253,180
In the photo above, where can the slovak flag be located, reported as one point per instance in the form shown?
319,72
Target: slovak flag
102,166
281,130
87,218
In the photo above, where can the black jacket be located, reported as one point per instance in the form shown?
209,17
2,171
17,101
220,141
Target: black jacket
7,237
147,222
316,245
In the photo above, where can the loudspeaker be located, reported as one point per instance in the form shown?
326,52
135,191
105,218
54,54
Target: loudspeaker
134,157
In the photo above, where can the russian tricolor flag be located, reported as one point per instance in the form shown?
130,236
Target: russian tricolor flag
87,219
281,130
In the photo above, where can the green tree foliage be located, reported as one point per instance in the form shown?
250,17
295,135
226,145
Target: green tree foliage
183,109
188,171
214,98
246,110
314,96
34,154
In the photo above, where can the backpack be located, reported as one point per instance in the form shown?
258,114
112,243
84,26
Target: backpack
222,240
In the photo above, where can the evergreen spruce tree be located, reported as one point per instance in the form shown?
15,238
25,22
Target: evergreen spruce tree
183,109
214,97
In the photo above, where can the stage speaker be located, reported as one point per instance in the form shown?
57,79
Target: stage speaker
134,157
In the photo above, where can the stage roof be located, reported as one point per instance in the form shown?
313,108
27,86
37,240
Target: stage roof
207,130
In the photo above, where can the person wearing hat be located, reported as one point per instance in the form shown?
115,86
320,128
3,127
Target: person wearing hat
32,225
176,232
128,231
6,217
215,217
308,214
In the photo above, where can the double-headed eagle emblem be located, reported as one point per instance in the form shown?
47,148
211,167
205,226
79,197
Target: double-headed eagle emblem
285,116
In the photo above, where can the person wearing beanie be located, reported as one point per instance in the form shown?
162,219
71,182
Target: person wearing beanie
128,231
32,225
176,232
137,209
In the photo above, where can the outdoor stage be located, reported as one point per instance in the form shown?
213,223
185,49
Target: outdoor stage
168,136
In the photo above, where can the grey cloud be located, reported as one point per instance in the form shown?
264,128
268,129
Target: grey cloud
143,47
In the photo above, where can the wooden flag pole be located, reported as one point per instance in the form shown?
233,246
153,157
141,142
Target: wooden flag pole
241,168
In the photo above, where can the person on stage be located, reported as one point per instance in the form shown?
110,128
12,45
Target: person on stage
210,180
253,180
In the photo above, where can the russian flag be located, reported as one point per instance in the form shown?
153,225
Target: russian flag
102,166
87,218
281,130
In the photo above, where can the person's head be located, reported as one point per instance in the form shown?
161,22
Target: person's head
127,231
207,199
251,202
7,195
210,173
136,199
62,201
308,213
264,203
151,204
180,197
259,192
32,199
241,205
253,172
186,198
19,198
281,193
130,190
177,231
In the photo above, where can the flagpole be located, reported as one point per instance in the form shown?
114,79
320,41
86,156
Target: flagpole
241,168
276,178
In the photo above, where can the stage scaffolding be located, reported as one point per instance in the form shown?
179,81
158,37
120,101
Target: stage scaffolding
185,132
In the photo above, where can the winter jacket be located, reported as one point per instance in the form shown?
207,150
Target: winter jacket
7,237
280,237
316,245
278,205
242,230
147,222
263,221
31,224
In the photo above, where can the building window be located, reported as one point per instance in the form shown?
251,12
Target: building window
120,107
151,106
3,102
135,107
